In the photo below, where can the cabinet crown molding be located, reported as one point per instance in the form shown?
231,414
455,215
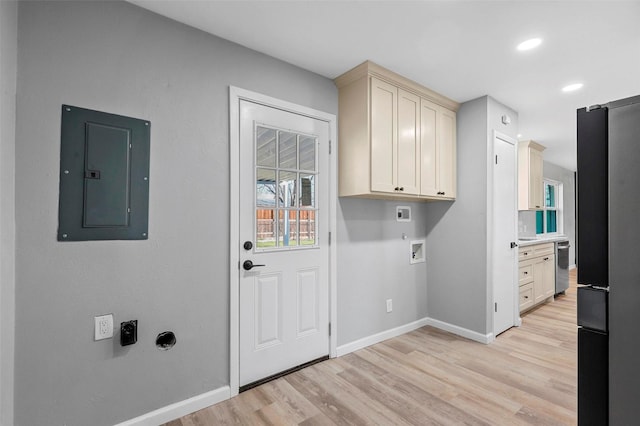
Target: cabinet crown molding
375,70
533,144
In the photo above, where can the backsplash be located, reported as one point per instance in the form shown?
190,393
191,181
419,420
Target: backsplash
527,224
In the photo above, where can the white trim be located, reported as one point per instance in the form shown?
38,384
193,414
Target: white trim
572,267
235,95
180,409
382,336
460,331
403,329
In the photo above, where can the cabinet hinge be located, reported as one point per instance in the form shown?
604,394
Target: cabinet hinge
496,159
329,329
329,238
329,146
496,307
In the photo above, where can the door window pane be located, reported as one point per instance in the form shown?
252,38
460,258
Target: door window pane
307,190
287,185
266,188
288,228
265,147
287,150
307,228
265,228
308,153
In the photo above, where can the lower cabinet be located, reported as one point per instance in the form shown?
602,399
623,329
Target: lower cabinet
537,274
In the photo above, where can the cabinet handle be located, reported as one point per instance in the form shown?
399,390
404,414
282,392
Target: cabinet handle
546,258
401,188
396,189
526,273
526,297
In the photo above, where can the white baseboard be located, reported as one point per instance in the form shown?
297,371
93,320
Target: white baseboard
394,332
379,337
179,409
572,267
464,332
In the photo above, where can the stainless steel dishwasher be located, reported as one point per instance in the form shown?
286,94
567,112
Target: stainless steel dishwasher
562,266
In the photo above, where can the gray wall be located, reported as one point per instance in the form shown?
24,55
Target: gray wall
118,58
8,63
373,265
458,291
457,232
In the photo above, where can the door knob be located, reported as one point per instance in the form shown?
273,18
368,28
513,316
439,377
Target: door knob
514,244
248,265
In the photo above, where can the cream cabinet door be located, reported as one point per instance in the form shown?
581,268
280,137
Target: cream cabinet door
549,275
438,151
535,190
384,133
447,154
538,280
408,151
428,149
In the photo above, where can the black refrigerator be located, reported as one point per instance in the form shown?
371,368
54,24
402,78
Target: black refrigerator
608,261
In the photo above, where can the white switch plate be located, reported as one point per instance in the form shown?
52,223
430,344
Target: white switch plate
389,305
103,327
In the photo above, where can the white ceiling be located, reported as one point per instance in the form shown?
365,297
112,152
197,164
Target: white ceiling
462,49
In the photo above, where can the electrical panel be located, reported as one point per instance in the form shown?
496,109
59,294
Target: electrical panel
104,176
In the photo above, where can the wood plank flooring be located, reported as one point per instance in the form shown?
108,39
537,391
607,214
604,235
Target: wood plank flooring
428,377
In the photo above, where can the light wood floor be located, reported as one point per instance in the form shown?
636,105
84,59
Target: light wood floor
428,377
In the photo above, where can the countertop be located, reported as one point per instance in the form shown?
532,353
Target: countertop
541,240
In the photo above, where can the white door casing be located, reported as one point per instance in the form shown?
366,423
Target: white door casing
280,312
504,232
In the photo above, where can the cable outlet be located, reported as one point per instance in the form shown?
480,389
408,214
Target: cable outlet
389,305
103,327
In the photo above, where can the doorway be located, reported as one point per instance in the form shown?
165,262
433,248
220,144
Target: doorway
504,234
282,293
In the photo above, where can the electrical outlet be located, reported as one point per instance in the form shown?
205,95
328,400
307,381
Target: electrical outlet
103,325
389,305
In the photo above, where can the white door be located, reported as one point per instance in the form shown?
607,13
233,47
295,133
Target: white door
504,234
284,216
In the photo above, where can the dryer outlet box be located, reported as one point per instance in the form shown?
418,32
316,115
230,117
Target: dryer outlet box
403,214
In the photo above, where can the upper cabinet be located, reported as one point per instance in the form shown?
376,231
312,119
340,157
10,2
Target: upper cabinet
397,139
530,194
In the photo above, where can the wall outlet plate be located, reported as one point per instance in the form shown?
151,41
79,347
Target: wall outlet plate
103,327
403,213
417,251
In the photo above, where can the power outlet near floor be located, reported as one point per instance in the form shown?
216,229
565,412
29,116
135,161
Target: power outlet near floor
103,326
389,305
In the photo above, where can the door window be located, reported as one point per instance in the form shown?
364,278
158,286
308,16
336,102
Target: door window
286,185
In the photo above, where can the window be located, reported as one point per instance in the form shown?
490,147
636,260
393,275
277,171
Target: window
549,219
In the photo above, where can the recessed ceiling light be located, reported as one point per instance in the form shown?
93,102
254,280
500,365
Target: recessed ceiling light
519,135
530,44
572,87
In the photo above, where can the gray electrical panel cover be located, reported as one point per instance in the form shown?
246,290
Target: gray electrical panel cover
104,176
